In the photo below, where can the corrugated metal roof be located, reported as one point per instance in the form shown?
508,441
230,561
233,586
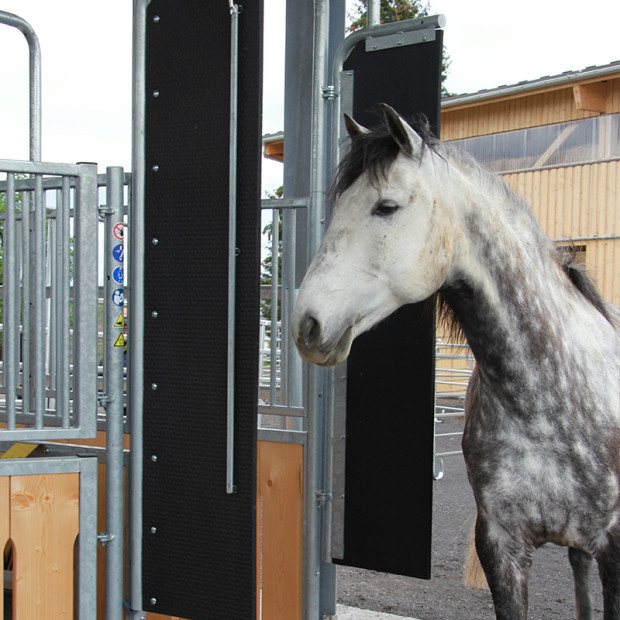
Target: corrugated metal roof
555,81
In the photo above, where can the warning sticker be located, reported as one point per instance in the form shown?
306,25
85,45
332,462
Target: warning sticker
120,341
119,322
119,231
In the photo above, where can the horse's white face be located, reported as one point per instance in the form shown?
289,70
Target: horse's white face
389,244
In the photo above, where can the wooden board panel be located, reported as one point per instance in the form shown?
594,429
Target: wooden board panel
44,525
577,202
280,517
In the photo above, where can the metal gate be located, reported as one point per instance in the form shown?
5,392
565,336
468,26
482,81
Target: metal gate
62,375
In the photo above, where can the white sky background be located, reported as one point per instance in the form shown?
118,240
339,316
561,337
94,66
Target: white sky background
86,58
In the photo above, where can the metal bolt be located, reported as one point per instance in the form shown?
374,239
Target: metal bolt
154,240
317,573
153,530
154,314
156,19
153,386
155,168
154,457
153,601
155,93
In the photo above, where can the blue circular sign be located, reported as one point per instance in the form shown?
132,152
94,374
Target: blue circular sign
118,297
118,274
118,251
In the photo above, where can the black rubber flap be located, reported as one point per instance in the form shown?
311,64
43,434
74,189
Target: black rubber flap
199,541
390,372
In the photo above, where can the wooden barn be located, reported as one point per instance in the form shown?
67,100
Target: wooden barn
556,142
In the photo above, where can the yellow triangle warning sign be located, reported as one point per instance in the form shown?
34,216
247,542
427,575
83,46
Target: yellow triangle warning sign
120,341
119,322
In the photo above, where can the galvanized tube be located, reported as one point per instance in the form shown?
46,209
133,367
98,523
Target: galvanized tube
232,249
374,13
113,376
63,318
10,331
275,254
316,376
135,327
26,310
85,301
39,303
35,79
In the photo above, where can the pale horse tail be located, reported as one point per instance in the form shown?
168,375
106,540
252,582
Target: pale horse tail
473,575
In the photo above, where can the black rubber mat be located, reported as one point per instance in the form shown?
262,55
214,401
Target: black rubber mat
199,541
390,372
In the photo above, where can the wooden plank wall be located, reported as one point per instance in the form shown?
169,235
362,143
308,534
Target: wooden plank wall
557,105
577,202
279,530
40,515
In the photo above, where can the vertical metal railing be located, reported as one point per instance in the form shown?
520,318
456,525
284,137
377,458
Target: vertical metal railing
232,247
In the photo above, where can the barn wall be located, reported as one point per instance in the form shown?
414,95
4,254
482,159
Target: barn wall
579,202
557,105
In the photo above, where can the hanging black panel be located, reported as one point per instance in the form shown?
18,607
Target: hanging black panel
390,372
199,541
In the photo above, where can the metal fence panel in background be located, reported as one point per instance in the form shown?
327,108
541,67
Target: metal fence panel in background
49,300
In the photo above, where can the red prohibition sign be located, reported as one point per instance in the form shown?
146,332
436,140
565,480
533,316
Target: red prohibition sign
119,231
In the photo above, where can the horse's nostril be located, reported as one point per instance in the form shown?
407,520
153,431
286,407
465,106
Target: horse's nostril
311,331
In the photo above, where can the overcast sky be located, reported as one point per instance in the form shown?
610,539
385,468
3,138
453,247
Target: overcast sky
86,50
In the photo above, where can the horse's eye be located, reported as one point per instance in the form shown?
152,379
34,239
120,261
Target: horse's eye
385,207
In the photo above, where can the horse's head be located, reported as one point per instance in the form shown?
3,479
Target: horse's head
388,244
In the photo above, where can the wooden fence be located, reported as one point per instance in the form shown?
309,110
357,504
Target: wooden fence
39,523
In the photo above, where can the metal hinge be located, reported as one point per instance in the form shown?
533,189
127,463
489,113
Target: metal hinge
329,92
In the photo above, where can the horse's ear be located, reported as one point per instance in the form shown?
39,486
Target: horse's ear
404,136
353,127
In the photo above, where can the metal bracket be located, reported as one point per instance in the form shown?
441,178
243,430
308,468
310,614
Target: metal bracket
322,498
104,538
104,400
400,39
104,211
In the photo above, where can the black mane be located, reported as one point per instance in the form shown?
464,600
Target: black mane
375,152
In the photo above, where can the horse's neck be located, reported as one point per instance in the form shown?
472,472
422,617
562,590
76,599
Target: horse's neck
509,296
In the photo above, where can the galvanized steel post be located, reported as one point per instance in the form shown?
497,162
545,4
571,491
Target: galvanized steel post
135,345
316,377
114,353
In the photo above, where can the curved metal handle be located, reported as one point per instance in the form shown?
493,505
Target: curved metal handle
35,79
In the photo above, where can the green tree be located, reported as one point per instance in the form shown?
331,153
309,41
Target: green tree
395,11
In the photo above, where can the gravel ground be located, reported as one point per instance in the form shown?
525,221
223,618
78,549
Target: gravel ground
445,597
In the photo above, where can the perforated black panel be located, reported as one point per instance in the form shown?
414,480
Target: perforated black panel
199,560
390,372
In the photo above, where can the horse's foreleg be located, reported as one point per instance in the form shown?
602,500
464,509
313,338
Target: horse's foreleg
506,561
580,562
608,560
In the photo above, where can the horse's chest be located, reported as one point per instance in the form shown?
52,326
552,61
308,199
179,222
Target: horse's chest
538,475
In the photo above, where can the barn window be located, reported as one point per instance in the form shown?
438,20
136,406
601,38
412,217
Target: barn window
549,146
